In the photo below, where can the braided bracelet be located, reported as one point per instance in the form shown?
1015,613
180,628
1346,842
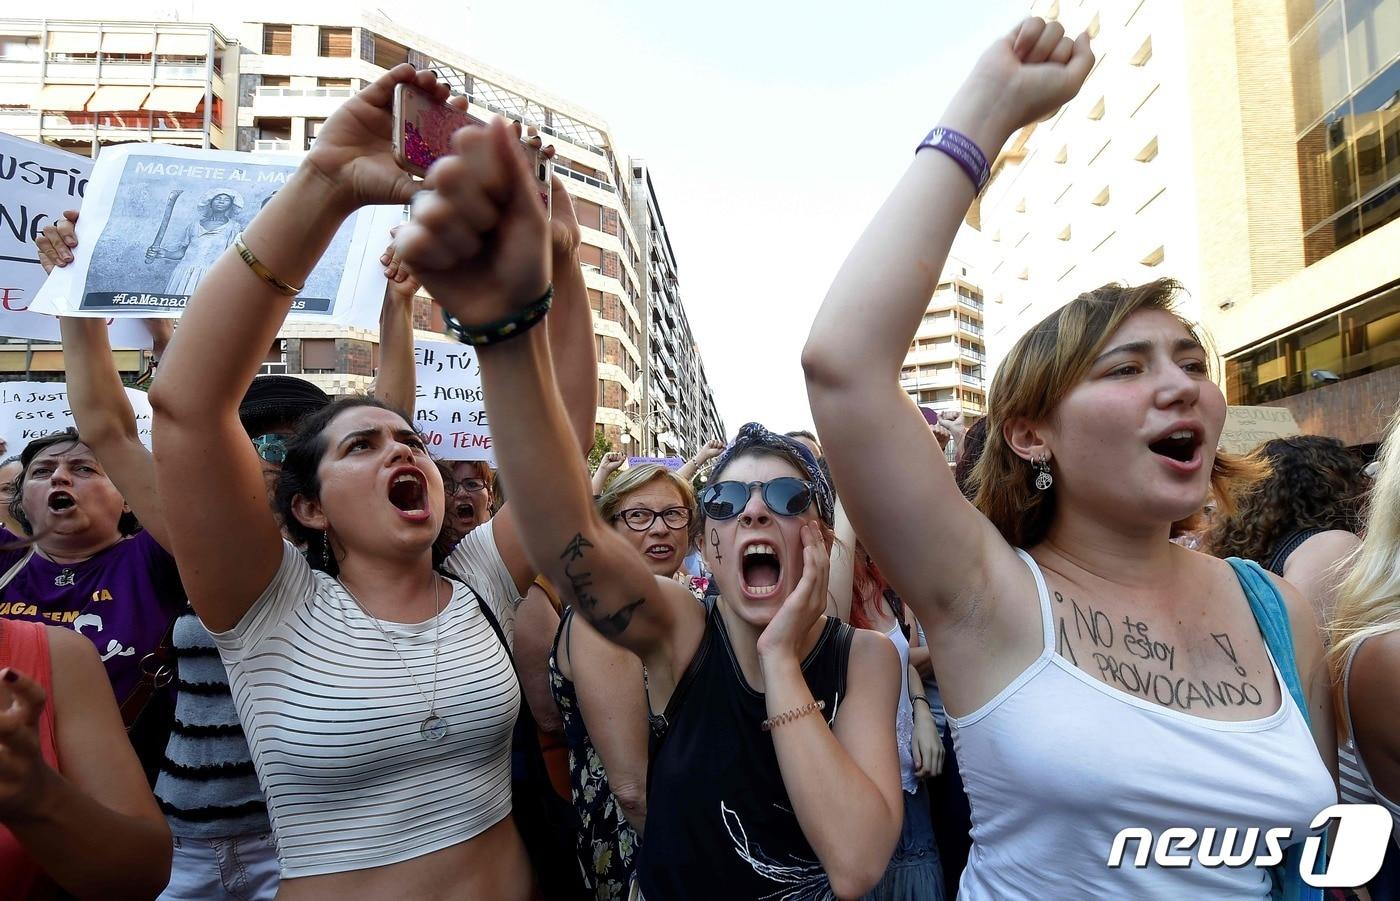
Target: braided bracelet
782,719
502,329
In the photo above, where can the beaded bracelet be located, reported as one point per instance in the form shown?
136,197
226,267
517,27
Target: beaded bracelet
502,329
963,151
262,271
795,713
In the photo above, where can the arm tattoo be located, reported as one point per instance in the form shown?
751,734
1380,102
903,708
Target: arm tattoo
609,625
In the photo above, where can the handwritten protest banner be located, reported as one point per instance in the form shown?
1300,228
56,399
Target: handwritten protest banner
1248,427
450,410
37,183
30,410
671,463
156,217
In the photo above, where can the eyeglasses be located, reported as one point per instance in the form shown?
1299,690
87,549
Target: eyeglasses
785,496
272,447
471,486
639,519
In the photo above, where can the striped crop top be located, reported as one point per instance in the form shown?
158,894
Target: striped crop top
333,717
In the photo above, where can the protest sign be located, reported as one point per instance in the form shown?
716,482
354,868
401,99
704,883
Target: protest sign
450,410
30,410
37,183
671,463
1248,427
156,217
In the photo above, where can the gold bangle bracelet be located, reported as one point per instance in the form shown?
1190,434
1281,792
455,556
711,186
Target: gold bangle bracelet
260,270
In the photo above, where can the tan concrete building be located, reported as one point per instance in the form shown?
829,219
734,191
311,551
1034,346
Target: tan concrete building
946,364
1248,148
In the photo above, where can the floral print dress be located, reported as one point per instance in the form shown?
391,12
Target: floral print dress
606,845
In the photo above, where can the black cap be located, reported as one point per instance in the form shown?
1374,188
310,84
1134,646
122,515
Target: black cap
280,397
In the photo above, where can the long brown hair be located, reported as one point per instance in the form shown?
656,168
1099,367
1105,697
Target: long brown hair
1044,366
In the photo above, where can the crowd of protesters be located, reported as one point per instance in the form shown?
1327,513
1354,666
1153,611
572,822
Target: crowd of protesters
287,653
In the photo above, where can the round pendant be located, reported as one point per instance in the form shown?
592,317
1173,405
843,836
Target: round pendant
1043,480
434,728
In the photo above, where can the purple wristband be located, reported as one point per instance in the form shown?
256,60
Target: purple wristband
963,152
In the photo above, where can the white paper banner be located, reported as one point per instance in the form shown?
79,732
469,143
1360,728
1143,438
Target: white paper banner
155,218
37,183
450,410
30,410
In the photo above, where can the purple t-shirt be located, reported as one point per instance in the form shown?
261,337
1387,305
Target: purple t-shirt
122,599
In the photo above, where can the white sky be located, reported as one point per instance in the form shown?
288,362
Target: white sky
773,128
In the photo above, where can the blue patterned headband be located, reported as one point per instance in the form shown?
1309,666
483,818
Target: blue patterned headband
754,435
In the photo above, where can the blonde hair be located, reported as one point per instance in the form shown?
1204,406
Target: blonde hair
624,483
1368,601
1042,368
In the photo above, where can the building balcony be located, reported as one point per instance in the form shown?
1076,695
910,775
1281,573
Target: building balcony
970,303
586,179
972,356
273,145
972,381
311,103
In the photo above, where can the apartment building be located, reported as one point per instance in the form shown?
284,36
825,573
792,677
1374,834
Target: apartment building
81,85
281,81
946,365
1251,150
676,396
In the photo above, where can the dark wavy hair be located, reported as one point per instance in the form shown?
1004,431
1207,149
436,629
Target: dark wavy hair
300,478
1315,483
127,523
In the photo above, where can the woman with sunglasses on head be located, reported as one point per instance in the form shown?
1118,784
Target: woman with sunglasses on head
1098,677
599,686
776,772
372,674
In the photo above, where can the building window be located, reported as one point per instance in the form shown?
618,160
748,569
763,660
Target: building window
277,40
1357,341
334,42
313,129
387,53
277,81
589,214
333,83
274,129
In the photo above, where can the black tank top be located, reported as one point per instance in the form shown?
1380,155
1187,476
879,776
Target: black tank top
719,821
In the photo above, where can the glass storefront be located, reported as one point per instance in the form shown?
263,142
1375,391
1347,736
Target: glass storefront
1358,340
1345,59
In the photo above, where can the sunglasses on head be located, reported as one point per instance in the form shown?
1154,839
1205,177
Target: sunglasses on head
785,496
272,447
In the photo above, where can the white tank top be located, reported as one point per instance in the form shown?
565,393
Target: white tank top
1058,763
904,713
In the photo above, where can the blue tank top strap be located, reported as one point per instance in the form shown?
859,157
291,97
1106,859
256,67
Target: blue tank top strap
1047,621
1271,613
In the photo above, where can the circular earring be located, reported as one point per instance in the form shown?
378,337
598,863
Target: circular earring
1043,478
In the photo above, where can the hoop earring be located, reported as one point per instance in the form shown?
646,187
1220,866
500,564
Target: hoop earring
1043,478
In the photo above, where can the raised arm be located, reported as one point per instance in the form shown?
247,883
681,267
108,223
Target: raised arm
480,242
231,320
101,409
396,383
94,828
610,463
707,452
892,478
569,327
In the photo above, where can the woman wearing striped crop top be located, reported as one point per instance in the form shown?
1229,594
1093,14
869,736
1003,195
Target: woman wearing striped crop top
370,674
1365,651
1097,676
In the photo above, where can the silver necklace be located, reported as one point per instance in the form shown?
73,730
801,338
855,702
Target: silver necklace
433,728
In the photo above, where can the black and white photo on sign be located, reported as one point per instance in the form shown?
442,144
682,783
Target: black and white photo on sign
155,219
37,183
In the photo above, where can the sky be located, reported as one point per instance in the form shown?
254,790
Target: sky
774,129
